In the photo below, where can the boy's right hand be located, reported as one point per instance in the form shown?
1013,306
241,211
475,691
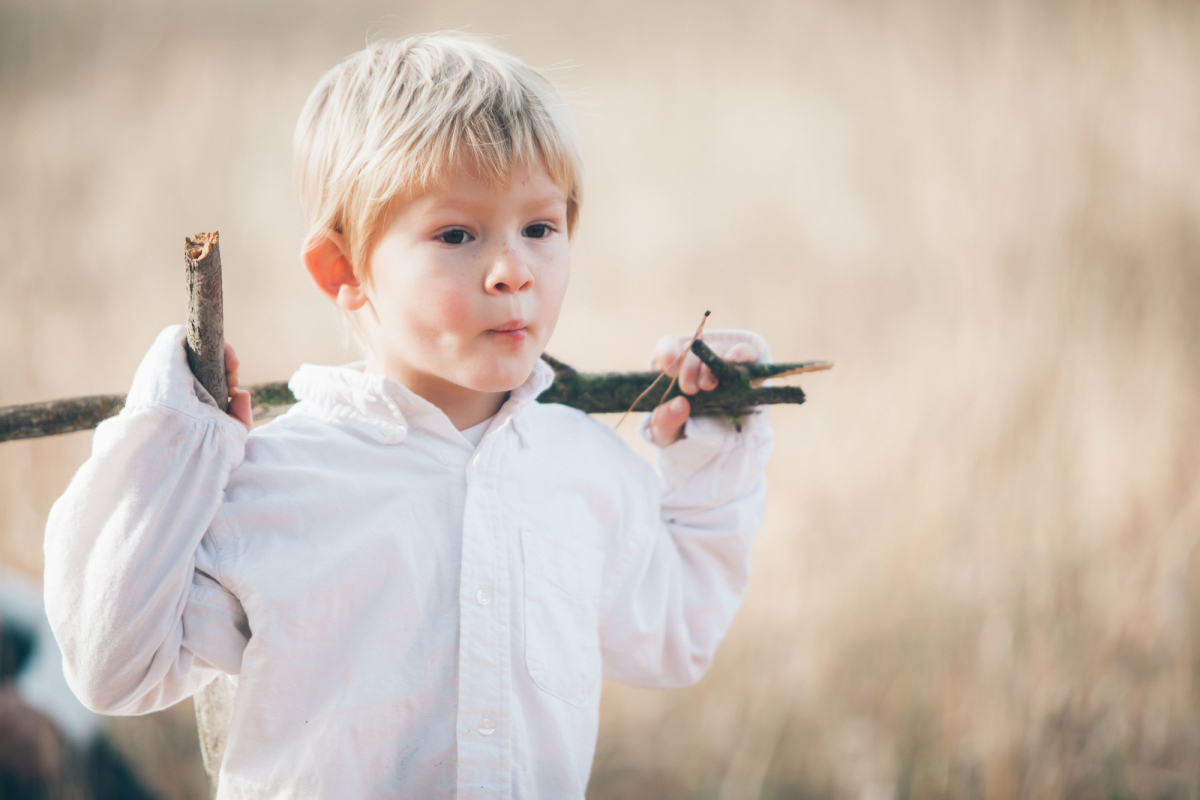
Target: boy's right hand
239,399
667,421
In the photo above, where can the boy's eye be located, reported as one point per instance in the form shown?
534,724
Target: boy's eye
539,230
454,236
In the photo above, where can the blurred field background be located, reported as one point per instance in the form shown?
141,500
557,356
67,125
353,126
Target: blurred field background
978,575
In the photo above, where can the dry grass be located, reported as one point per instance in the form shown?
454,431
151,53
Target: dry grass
977,578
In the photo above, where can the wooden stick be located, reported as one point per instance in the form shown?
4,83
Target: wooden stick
214,714
206,357
35,420
206,325
593,392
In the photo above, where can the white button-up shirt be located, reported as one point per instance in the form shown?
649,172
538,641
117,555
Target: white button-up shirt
406,615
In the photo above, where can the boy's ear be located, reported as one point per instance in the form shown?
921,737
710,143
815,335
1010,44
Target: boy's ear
327,262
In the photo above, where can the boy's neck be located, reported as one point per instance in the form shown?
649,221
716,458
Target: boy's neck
465,407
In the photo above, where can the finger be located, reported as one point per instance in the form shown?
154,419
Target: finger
689,374
667,362
666,423
231,359
743,352
231,366
708,381
239,407
666,353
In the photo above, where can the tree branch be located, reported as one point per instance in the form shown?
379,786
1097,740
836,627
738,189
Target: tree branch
592,392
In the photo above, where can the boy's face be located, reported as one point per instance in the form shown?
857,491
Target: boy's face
466,285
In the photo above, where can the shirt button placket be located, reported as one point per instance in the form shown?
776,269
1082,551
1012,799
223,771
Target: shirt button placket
485,663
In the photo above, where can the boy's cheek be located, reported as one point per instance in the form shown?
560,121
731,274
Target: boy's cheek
440,308
554,291
463,315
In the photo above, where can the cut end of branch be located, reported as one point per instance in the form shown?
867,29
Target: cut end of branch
816,366
198,247
812,366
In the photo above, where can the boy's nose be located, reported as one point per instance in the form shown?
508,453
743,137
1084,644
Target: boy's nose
509,274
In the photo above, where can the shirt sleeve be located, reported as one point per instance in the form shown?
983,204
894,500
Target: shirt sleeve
686,561
132,580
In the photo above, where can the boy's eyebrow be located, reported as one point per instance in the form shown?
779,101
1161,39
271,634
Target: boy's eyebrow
547,199
451,203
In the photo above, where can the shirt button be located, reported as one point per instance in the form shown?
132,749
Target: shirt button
483,596
487,726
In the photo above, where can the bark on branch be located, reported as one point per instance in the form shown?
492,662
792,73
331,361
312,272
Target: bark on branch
206,316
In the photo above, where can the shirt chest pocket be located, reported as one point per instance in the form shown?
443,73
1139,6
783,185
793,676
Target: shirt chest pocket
562,598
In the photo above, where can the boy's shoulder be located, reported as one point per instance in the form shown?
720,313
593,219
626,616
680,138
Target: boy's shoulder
291,425
554,427
560,418
310,422
296,443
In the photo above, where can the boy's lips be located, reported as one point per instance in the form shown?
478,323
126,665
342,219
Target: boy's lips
513,329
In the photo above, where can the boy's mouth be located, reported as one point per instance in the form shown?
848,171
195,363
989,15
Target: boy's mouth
513,329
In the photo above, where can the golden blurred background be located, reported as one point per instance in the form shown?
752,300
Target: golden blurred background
978,574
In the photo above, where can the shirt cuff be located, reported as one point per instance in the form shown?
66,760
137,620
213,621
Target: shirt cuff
165,380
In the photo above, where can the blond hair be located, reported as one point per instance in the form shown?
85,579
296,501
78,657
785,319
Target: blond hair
391,120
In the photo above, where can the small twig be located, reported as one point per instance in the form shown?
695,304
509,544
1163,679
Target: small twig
678,363
646,391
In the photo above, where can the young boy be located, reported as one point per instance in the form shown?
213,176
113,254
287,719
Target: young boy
419,575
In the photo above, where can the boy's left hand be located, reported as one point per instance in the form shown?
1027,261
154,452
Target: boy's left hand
239,399
666,423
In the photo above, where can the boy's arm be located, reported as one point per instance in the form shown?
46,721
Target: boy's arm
687,561
131,580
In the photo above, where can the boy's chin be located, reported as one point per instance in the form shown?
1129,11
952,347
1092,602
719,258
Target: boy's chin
502,377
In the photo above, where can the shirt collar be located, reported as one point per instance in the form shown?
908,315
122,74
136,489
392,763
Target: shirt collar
379,407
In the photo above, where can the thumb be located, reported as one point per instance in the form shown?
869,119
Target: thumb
666,423
239,407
